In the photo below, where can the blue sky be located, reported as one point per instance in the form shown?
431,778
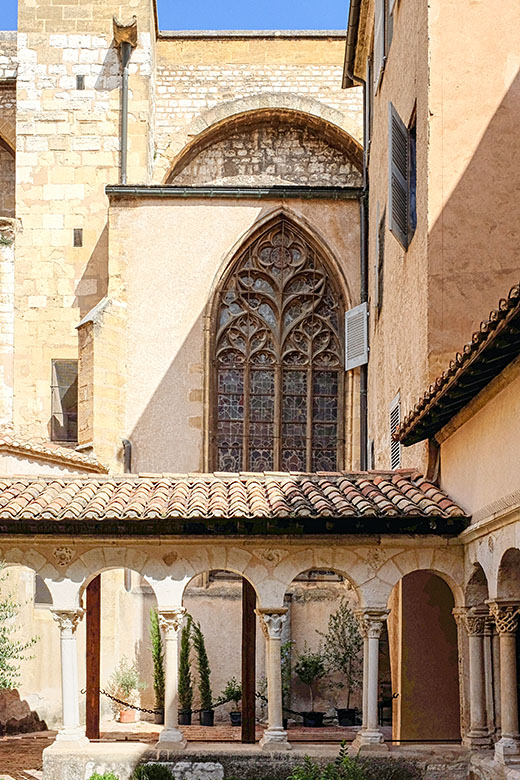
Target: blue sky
234,14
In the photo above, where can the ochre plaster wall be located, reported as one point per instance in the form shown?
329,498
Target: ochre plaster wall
167,256
428,686
474,470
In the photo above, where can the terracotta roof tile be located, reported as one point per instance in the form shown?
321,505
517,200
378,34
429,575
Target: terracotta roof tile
43,449
491,348
346,498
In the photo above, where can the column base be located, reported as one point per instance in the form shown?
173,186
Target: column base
171,739
477,739
76,735
507,750
275,739
368,741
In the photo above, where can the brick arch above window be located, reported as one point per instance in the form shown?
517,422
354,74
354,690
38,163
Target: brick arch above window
277,364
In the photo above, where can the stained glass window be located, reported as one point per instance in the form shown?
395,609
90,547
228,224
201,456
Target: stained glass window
278,358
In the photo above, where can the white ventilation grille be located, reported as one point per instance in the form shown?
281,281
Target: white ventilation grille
356,337
395,419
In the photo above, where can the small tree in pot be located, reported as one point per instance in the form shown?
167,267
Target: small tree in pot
206,697
158,665
233,692
124,683
310,667
185,681
343,646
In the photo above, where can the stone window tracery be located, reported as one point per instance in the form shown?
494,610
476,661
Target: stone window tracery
278,358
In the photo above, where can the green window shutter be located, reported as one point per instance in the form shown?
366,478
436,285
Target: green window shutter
398,175
356,337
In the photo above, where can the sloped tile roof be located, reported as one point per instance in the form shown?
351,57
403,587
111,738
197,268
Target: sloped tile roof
492,347
42,449
334,502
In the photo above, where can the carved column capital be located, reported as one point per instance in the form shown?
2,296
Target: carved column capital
67,620
506,616
475,621
272,622
171,620
371,622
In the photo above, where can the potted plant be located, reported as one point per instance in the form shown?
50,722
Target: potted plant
185,681
158,665
310,667
124,683
343,654
233,692
206,698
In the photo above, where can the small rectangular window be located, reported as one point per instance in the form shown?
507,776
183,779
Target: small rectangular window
64,401
402,178
78,237
395,419
80,82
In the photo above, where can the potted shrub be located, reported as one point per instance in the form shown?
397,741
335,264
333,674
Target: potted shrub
124,683
310,667
206,698
185,681
233,692
158,665
343,646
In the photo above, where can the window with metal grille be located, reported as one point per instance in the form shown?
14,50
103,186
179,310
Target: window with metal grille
395,419
402,178
278,358
64,401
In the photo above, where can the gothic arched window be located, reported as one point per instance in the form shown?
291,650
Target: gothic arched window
278,358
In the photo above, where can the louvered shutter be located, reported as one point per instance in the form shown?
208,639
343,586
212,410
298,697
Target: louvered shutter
398,163
395,419
367,126
356,337
376,261
379,41
391,6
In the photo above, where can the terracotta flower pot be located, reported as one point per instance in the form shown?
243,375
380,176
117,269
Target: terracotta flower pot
127,716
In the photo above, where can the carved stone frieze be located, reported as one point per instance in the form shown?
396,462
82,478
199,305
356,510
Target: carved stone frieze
171,620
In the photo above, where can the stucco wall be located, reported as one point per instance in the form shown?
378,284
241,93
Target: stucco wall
398,335
167,258
478,466
7,176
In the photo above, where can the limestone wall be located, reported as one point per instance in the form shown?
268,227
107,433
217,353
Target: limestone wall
8,58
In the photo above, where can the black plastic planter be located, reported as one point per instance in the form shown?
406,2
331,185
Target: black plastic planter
313,720
159,716
207,718
236,718
184,717
347,717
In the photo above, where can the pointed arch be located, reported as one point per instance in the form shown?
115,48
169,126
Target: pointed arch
277,357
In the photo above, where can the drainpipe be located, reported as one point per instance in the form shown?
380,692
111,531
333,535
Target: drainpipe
351,80
127,456
125,38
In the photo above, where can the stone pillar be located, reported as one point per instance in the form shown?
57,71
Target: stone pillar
506,615
488,676
67,620
478,735
275,736
371,622
495,644
171,738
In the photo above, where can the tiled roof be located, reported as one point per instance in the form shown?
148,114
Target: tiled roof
244,503
42,449
491,349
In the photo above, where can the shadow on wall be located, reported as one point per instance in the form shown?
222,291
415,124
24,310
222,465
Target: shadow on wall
475,242
93,285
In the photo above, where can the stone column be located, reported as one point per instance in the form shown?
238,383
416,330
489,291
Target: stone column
67,620
488,676
506,615
371,622
275,736
478,735
495,644
171,738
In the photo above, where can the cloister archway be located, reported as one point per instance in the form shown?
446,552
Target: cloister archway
424,659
